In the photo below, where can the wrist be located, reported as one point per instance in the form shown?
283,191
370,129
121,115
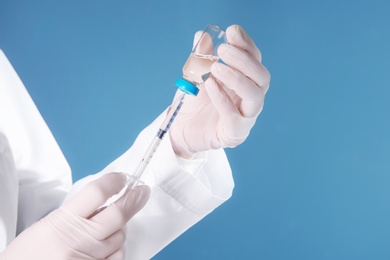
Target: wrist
181,150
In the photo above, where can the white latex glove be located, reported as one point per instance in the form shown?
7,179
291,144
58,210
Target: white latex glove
69,233
228,103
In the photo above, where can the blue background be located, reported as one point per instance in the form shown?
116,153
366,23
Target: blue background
312,180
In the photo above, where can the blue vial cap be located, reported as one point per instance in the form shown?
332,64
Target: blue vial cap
187,87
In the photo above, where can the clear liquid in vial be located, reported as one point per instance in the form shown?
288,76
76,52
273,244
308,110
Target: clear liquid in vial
196,66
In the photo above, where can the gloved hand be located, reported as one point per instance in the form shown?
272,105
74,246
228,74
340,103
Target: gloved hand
69,232
228,103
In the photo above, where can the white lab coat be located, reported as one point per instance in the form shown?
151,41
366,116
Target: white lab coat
35,177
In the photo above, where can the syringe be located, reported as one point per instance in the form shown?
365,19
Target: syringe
148,155
134,179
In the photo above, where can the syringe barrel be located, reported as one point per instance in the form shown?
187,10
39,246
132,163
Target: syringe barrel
148,155
172,113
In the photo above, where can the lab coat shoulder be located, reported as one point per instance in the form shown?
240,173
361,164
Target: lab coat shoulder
8,194
42,172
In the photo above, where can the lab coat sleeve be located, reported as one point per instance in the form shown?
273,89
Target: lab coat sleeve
41,171
183,192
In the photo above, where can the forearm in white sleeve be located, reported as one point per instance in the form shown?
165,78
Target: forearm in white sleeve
42,171
183,192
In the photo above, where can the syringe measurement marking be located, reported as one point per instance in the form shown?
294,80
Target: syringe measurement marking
174,114
155,144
